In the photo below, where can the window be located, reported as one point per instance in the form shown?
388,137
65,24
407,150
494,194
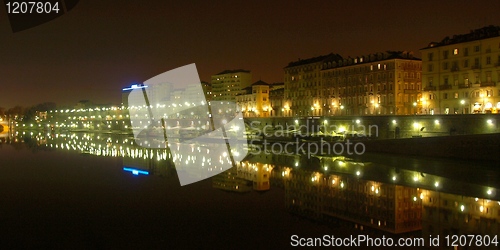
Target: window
455,95
466,51
488,60
476,48
445,65
430,56
378,66
430,68
455,52
476,62
445,54
371,67
446,81
466,63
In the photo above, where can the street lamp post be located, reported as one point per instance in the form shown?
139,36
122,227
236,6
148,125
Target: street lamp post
462,102
415,107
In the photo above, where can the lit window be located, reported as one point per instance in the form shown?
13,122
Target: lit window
378,66
455,52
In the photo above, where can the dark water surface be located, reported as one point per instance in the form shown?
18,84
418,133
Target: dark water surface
68,199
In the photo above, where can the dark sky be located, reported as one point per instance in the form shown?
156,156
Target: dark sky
99,47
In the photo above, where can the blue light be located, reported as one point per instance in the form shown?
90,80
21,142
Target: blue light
135,86
136,171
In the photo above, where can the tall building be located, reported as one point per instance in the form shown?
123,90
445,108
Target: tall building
303,85
381,83
229,83
461,73
376,84
276,97
207,89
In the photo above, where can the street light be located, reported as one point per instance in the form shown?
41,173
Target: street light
415,107
462,102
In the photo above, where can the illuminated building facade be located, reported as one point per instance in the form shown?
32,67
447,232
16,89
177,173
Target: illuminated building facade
276,97
381,83
254,102
227,84
376,84
303,85
461,73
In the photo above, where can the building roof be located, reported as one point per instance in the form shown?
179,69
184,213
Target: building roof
261,83
317,59
370,58
473,35
229,71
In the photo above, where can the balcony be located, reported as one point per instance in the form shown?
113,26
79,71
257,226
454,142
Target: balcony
487,84
410,91
430,88
463,86
445,87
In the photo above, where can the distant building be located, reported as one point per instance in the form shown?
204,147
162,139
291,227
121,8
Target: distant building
207,89
227,84
254,102
276,97
461,74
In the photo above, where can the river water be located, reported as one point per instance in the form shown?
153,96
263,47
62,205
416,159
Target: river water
73,191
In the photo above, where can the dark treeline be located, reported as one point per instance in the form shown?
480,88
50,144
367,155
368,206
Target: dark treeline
27,114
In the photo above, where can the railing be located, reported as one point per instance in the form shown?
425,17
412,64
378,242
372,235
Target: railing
430,88
463,86
445,86
487,84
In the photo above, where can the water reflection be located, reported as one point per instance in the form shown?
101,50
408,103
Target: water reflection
366,195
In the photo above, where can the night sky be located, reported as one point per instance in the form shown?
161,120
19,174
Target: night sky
97,48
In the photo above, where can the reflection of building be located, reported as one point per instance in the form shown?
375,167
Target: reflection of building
450,214
229,83
387,207
230,181
245,177
461,74
257,173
